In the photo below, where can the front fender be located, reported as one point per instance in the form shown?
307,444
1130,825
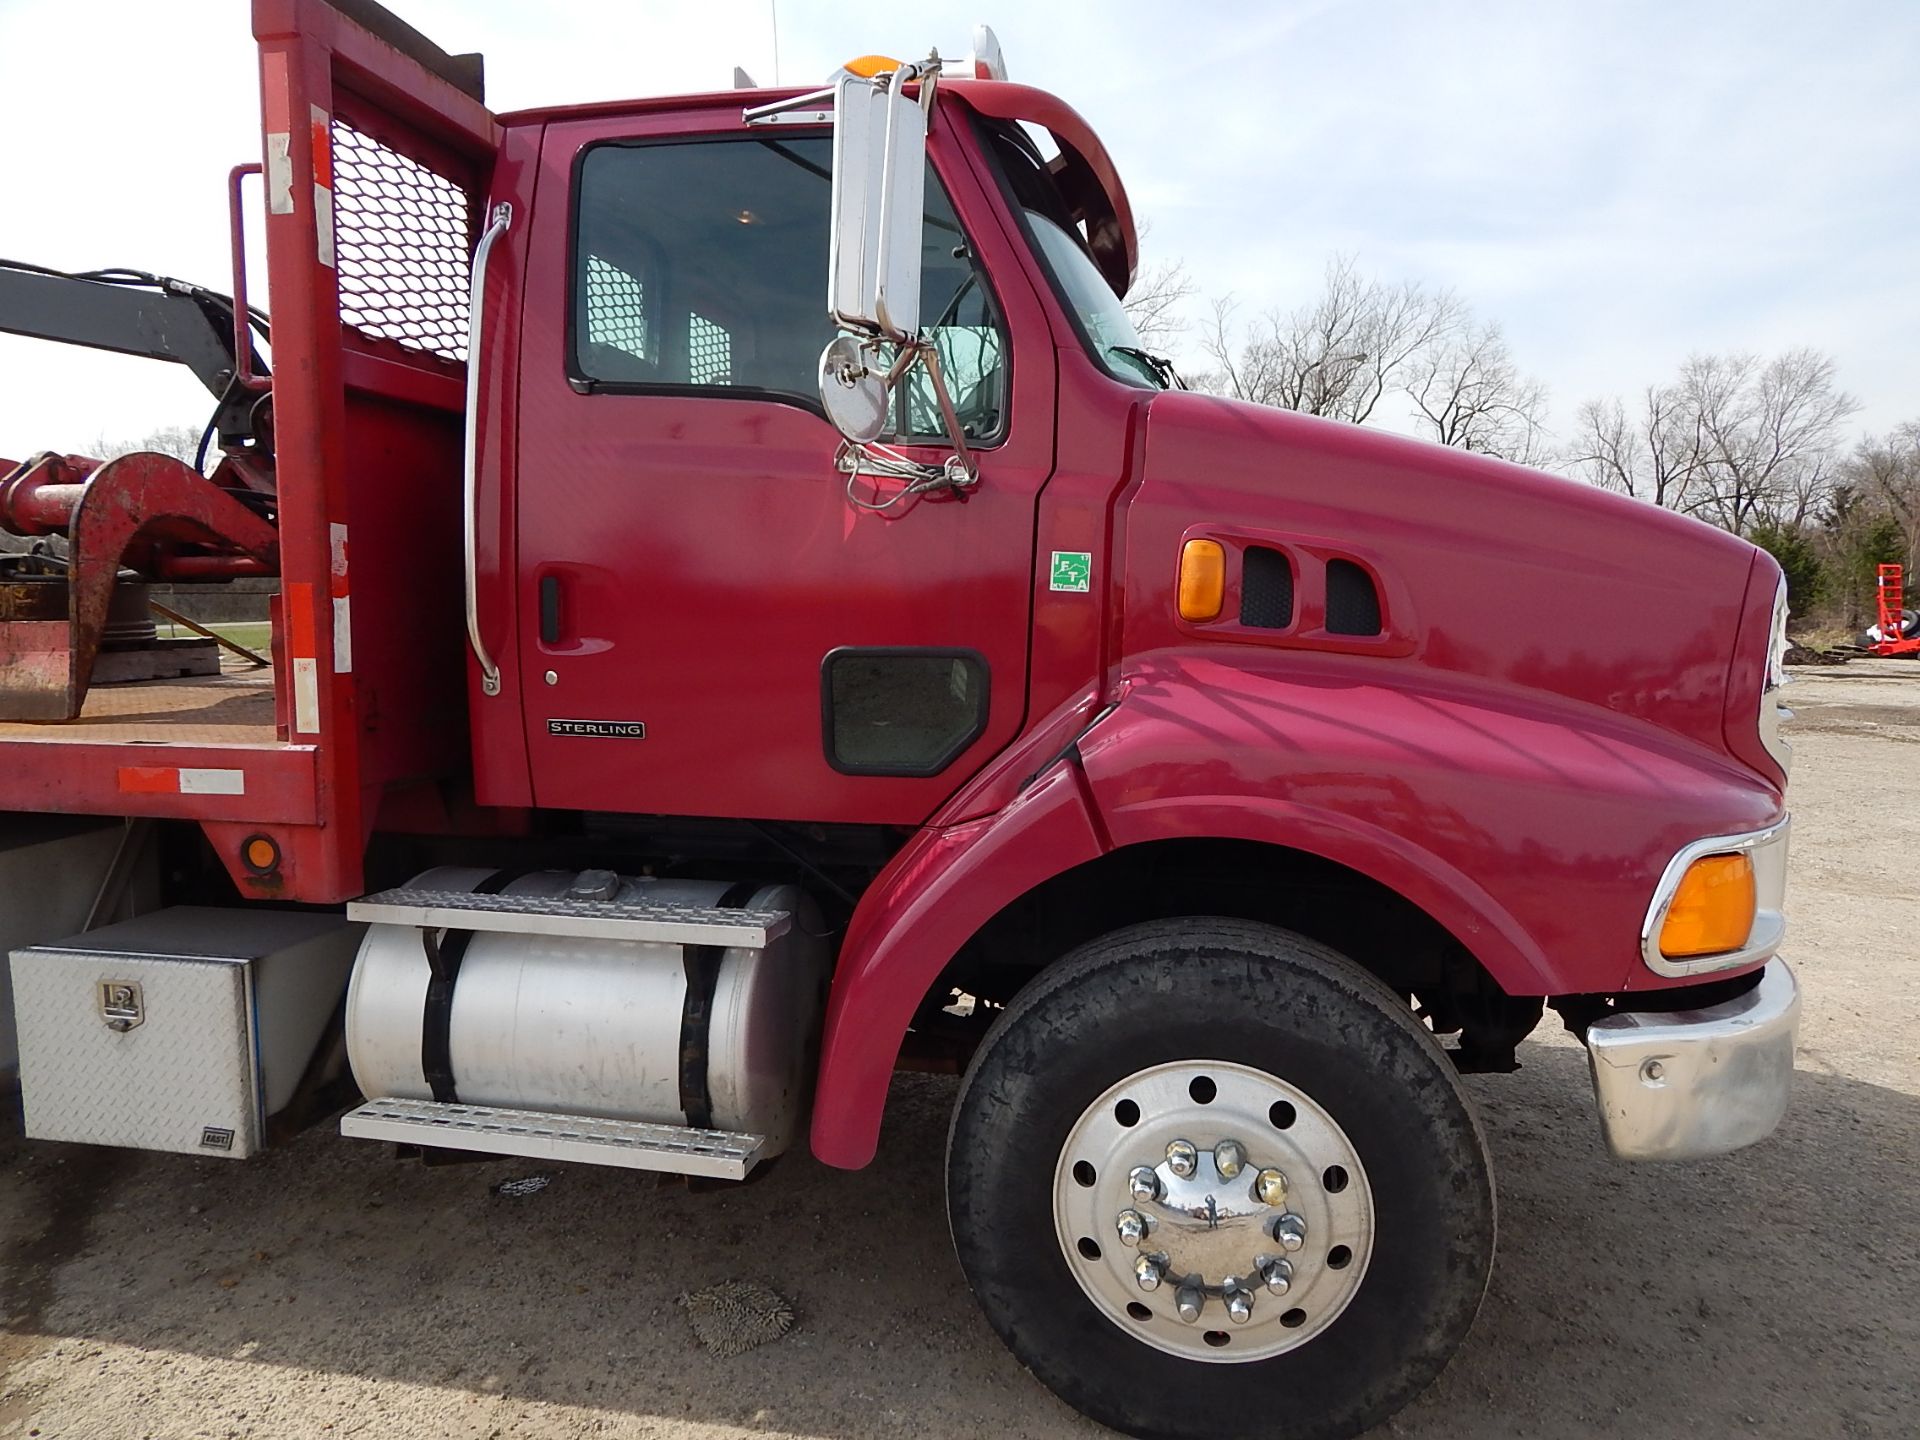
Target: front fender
1533,832
1533,828
924,906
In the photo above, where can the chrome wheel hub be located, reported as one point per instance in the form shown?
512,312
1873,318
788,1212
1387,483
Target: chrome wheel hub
1213,1211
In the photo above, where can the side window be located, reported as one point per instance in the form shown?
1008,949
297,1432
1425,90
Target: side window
703,265
901,711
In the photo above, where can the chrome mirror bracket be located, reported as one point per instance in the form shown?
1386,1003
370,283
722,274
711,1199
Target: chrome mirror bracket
860,453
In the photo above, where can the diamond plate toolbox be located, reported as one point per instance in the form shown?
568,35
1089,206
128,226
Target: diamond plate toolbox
149,1034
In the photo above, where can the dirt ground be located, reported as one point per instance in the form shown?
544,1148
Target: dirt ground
326,1290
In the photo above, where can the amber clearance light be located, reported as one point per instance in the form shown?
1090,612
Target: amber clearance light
260,854
1203,579
1712,910
868,66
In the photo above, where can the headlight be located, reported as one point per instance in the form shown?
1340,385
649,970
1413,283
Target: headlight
1772,712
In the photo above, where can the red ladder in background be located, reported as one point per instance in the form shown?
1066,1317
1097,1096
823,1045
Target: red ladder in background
1889,590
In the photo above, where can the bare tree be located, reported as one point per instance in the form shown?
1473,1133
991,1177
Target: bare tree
1653,454
1770,434
1338,356
1156,297
1468,393
1733,440
1884,473
182,442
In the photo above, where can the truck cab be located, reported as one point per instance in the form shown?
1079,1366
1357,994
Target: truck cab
752,617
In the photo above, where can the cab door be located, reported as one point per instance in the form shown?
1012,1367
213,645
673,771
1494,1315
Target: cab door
713,619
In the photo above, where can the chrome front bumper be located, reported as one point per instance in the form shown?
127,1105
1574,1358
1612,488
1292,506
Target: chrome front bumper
1693,1083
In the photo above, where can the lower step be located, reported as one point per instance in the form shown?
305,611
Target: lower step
584,1140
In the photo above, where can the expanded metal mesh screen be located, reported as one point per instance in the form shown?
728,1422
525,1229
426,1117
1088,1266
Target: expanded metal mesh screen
616,308
1266,589
1353,605
402,240
709,352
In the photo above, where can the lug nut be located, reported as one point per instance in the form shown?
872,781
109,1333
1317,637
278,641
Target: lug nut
1189,1302
1278,1275
1270,1186
1239,1306
1131,1227
1229,1158
1144,1184
1182,1158
1149,1271
1291,1231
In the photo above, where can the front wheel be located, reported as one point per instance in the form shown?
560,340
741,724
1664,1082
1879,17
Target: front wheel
1204,1172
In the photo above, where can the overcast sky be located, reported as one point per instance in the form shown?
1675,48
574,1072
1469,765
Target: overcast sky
1616,183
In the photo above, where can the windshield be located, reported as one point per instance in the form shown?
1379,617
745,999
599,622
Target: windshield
1099,310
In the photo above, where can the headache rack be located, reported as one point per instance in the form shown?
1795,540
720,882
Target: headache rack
339,475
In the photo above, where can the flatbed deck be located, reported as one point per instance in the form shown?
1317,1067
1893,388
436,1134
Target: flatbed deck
232,708
202,748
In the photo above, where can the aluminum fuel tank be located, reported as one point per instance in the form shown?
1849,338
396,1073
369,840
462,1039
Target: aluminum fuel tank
601,1027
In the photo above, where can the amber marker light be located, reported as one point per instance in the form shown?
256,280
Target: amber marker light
868,66
260,854
1203,579
1712,910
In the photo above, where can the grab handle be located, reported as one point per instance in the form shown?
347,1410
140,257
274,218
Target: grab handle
497,226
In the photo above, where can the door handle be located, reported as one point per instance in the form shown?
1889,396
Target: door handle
476,299
549,609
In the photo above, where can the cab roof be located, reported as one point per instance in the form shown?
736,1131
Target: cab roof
1084,171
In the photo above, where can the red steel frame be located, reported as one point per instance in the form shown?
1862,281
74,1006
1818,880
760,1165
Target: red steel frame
1889,592
315,794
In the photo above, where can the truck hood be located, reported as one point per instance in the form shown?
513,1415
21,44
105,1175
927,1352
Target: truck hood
1488,572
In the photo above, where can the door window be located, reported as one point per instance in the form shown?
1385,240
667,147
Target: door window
702,266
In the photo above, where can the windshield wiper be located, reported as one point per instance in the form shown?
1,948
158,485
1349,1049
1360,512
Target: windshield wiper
1159,364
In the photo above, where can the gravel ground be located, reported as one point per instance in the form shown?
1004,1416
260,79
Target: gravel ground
326,1290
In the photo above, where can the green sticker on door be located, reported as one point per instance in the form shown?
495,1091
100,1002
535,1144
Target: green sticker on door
1072,570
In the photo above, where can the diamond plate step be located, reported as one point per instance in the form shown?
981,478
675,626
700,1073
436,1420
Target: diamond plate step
580,919
631,1144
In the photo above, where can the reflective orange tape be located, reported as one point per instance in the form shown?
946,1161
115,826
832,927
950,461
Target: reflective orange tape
322,149
150,779
300,627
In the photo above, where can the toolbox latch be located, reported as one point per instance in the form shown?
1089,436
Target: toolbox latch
122,1005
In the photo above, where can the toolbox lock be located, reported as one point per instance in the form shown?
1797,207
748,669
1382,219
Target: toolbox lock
122,1005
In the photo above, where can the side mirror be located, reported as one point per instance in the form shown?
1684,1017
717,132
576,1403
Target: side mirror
852,390
873,279
879,204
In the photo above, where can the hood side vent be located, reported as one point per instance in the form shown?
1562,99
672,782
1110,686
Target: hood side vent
1266,589
1353,604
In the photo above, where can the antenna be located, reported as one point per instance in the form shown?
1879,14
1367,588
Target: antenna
773,14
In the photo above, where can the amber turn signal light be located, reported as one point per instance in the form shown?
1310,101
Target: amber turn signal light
1203,579
1712,911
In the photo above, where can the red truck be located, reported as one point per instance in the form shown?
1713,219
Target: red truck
690,703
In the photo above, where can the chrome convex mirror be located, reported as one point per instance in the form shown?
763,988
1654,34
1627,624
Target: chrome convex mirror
852,390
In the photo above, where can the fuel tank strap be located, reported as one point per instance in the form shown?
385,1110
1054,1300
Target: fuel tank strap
696,1014
436,1017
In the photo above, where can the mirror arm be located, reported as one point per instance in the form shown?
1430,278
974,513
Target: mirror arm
961,470
771,112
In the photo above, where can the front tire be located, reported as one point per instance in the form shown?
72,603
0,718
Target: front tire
1264,1127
